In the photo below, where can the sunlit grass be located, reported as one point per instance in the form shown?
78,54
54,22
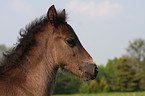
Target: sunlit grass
110,94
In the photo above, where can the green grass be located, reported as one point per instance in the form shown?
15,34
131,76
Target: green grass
110,94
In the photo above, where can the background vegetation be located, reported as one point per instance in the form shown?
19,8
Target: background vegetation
124,74
109,94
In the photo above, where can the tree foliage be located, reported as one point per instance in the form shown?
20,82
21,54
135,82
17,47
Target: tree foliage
136,51
103,86
67,83
84,88
110,68
127,78
93,87
110,71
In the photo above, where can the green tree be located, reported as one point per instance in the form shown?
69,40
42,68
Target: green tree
136,51
67,83
84,88
93,87
101,73
139,79
125,76
110,70
104,87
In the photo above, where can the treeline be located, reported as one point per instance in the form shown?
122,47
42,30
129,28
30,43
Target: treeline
124,74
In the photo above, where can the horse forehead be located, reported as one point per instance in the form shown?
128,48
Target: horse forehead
67,30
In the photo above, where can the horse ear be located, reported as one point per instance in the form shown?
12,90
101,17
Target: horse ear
52,14
63,12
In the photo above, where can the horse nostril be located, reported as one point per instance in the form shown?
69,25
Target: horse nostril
89,69
80,68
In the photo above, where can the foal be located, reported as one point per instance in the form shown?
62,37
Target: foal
45,46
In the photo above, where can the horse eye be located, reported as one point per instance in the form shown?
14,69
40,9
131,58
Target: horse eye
71,42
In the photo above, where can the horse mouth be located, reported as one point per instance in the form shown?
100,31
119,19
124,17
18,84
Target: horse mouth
87,76
89,72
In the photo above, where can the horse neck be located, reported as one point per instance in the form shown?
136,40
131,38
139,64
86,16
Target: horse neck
41,75
39,68
41,79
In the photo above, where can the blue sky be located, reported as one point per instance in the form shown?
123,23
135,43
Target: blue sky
104,27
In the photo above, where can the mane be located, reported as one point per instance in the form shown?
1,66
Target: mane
26,41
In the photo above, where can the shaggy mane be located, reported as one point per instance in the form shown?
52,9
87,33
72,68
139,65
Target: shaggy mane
26,41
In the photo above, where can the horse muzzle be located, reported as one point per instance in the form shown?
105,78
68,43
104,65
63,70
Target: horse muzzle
90,71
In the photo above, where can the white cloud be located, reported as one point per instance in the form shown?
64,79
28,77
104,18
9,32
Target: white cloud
21,6
104,9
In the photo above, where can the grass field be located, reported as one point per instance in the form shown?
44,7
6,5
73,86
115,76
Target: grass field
109,94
